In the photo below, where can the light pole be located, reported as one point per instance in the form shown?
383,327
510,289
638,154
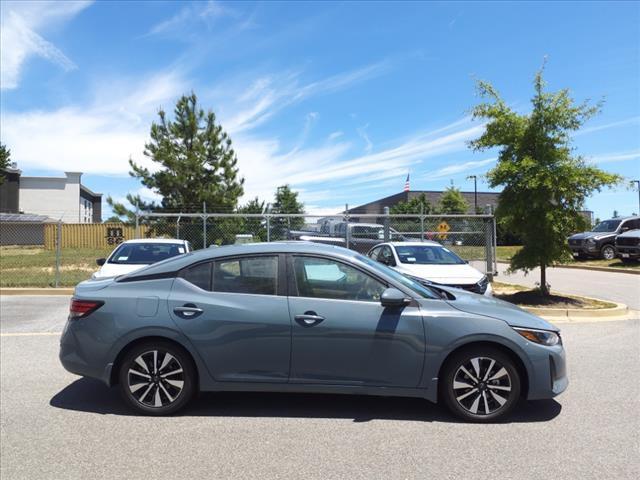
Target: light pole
475,192
637,182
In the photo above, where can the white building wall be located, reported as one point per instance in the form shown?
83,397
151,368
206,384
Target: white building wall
55,197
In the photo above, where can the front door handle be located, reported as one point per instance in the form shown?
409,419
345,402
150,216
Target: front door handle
188,310
309,319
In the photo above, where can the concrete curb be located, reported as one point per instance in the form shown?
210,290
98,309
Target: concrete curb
593,268
36,291
620,310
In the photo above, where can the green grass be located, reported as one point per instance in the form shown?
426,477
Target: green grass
505,253
35,266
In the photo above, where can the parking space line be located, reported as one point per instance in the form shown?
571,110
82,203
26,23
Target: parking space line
29,334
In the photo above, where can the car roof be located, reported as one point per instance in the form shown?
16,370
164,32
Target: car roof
630,217
294,246
429,243
155,240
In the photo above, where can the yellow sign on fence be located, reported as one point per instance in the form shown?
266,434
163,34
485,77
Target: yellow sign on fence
90,235
443,228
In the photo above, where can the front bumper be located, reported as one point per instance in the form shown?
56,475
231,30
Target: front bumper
587,250
550,373
626,251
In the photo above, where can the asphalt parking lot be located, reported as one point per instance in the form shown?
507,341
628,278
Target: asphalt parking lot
56,425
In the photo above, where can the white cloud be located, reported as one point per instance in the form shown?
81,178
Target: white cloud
328,165
457,168
270,94
616,157
96,138
335,135
362,131
197,12
20,23
606,126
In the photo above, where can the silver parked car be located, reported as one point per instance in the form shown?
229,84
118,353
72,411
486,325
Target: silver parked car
304,317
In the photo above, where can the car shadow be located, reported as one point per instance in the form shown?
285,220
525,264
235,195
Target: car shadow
92,396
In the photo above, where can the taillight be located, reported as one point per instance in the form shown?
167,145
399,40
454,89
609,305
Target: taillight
82,308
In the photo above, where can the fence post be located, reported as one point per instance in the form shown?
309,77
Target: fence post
347,233
386,235
495,244
58,252
488,244
268,227
421,222
204,224
137,232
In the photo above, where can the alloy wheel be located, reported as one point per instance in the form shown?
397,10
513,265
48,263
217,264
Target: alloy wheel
482,386
155,379
608,253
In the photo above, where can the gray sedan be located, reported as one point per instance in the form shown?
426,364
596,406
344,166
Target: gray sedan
302,317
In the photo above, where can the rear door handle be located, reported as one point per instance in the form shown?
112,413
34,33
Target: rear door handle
309,319
188,310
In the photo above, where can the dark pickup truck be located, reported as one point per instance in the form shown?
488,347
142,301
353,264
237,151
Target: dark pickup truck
362,236
600,242
628,246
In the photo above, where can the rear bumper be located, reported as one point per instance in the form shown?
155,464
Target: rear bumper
75,360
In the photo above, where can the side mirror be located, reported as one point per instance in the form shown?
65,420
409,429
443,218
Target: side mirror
101,261
392,297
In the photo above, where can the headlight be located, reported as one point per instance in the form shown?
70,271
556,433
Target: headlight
543,337
591,241
482,284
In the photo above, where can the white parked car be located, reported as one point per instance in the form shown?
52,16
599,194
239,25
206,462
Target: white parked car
432,262
135,254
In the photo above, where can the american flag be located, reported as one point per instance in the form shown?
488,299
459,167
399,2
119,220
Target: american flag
406,184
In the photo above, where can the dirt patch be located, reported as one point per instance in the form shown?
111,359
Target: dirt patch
526,297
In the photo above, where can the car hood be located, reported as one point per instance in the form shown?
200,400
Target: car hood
594,235
496,308
444,274
115,269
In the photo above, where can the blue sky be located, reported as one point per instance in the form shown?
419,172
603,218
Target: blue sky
340,100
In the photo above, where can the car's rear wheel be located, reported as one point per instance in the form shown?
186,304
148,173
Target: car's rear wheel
157,378
608,252
481,384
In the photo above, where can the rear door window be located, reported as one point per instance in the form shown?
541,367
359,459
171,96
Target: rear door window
253,275
199,275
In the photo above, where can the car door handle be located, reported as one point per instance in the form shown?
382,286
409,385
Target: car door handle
188,310
309,319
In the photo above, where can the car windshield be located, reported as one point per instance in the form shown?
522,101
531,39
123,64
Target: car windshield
416,287
145,253
607,226
427,255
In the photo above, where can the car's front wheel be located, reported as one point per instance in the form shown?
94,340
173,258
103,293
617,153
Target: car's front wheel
157,378
481,384
608,252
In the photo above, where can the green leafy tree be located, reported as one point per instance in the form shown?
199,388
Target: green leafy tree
453,202
5,161
195,165
414,206
255,226
285,201
544,183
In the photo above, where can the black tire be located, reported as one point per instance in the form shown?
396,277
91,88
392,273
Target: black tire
608,252
461,400
163,391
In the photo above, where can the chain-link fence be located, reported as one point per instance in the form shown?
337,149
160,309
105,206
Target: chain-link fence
60,254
